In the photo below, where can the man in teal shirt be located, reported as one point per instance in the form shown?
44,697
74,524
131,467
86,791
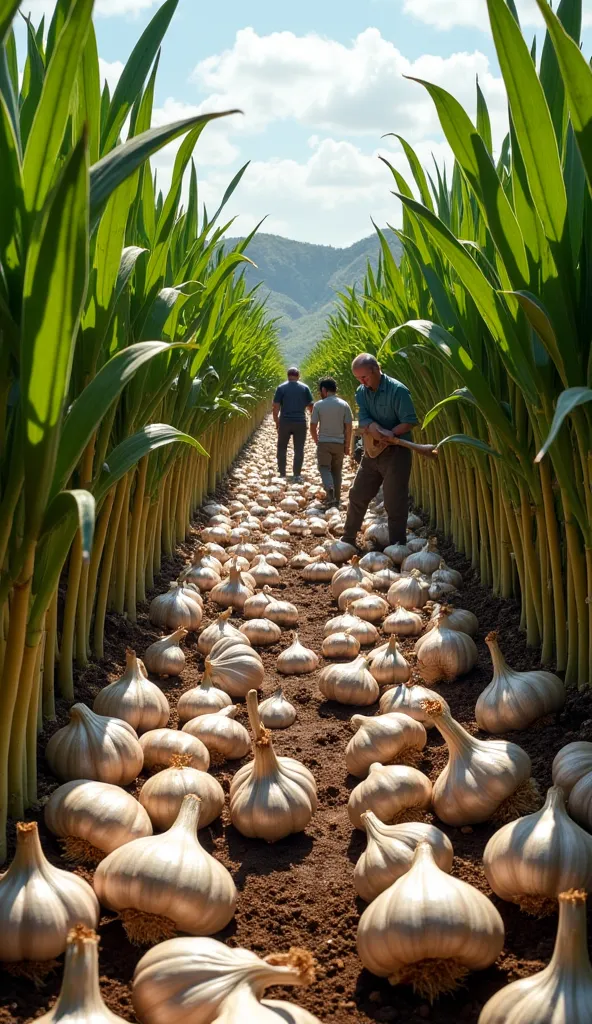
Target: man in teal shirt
384,404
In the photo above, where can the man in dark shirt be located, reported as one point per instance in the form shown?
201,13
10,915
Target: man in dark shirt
290,402
386,403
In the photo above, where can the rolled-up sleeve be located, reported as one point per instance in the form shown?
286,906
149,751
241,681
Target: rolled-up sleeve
309,396
404,407
364,417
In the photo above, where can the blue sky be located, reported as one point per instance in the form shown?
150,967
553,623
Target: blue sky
319,81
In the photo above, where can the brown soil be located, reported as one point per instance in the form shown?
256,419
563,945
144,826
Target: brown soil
299,891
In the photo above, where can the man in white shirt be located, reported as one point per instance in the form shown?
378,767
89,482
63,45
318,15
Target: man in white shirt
331,429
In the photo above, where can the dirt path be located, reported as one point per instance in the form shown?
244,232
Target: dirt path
300,891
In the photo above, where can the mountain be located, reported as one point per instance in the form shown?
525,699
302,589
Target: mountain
302,280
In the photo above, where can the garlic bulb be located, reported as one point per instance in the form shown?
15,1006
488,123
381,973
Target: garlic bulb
403,622
216,534
318,527
351,594
414,522
374,561
318,572
410,591
339,551
280,534
244,550
167,882
298,527
415,544
441,591
350,576
429,929
165,657
407,698
216,631
283,613
221,734
481,775
242,1005
395,793
454,618
276,712
94,818
133,698
297,660
365,632
300,559
390,850
383,579
176,608
562,992
162,795
389,666
205,574
187,980
255,606
242,565
573,761
233,592
40,903
397,553
340,645
94,747
426,561
580,801
80,1000
443,654
235,670
385,738
350,683
514,700
371,608
262,572
217,551
450,577
275,559
261,632
205,699
161,746
272,797
376,535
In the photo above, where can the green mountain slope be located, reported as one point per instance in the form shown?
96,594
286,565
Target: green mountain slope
302,280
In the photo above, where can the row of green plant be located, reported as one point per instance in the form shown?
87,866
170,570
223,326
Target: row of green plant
127,371
488,319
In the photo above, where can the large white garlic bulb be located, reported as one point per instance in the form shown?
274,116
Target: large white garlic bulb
319,571
220,733
40,903
339,551
167,882
444,654
365,632
94,747
276,712
162,795
514,700
80,1000
340,645
371,608
481,775
388,666
397,553
571,763
235,670
395,793
347,597
216,631
408,699
562,992
180,606
271,797
580,801
426,561
263,572
403,622
133,698
350,576
409,591
532,860
205,699
283,613
297,659
161,746
261,632
165,657
349,683
234,591
242,1005
94,818
254,607
300,559
429,929
384,738
390,850
186,980
453,618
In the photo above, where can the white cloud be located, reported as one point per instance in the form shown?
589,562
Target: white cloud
110,72
105,8
447,14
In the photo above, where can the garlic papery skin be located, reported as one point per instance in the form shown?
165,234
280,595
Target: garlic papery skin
340,645
261,632
205,699
94,818
186,980
426,561
205,574
221,734
383,580
233,592
163,793
168,881
242,1005
161,746
80,1000
255,606
371,608
319,571
272,797
383,738
389,666
339,551
365,632
460,619
216,631
444,654
283,613
480,776
133,698
347,597
216,534
263,573
562,992
407,698
165,657
276,712
391,791
450,577
532,860
580,801
350,576
390,850
224,645
410,591
297,660
441,591
374,561
275,559
94,747
350,683
40,903
397,553
403,622
176,608
571,763
514,700
300,559
429,929
236,670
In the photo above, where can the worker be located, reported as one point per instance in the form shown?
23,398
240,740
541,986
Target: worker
290,402
331,429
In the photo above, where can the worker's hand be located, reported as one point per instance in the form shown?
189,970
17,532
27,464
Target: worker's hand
277,427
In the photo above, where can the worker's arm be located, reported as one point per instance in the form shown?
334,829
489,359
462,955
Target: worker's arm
314,432
403,428
276,414
347,438
310,407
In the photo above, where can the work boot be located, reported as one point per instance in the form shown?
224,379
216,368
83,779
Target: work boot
329,498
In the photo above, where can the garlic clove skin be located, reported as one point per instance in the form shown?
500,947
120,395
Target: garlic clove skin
216,631
514,700
562,992
94,747
371,608
283,613
389,666
261,632
205,699
374,561
255,606
221,734
165,657
162,795
349,683
403,622
242,1005
178,607
339,551
297,659
318,572
347,597
276,712
389,791
134,699
40,903
571,763
234,591
160,746
390,850
236,670
80,1000
397,553
454,618
541,854
426,561
410,591
444,654
407,699
98,813
580,802
340,645
382,738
